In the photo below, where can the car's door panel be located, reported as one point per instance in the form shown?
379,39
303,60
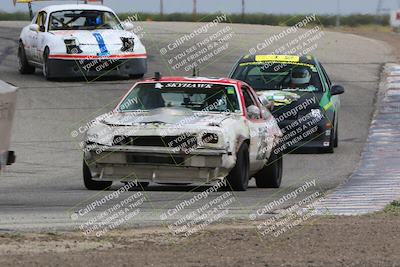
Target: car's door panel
258,133
38,38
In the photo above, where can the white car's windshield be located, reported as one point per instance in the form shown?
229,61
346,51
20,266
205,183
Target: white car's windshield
83,20
195,96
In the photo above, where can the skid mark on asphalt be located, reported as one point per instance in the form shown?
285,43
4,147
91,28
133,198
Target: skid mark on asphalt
376,182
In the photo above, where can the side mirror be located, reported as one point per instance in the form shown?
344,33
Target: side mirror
34,27
266,103
128,26
253,112
337,90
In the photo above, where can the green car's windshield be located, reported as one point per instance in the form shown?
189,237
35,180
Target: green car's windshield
195,96
279,76
83,20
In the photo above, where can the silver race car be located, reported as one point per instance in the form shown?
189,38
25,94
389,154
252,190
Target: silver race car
184,130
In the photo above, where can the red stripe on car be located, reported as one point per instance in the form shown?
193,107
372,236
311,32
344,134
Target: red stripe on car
89,57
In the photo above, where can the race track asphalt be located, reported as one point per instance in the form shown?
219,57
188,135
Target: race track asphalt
45,186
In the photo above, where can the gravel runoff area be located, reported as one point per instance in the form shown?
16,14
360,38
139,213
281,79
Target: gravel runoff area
370,240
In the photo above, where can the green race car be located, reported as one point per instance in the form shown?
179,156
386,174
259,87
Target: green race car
305,102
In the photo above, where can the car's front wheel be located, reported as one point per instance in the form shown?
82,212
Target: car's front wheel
238,177
331,148
91,184
46,69
336,141
271,175
23,65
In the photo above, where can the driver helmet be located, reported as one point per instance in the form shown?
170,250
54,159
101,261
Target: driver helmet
300,76
151,98
93,21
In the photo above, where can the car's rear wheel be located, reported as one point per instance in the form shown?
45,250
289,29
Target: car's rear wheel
91,184
238,177
271,175
23,65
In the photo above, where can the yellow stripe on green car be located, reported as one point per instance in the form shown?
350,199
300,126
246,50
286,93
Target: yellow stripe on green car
282,102
277,58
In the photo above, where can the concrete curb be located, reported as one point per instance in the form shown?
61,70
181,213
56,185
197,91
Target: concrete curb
376,181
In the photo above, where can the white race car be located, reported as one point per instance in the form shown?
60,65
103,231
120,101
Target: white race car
80,40
184,130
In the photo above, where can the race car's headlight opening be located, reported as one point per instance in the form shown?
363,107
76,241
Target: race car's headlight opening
72,46
209,138
92,137
128,44
71,42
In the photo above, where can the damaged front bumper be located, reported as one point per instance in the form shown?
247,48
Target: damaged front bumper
158,164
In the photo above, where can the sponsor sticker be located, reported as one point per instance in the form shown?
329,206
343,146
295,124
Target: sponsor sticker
284,58
230,90
189,85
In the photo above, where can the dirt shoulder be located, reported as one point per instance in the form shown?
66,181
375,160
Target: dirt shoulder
384,34
325,241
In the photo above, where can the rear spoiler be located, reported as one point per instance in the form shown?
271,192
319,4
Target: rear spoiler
29,2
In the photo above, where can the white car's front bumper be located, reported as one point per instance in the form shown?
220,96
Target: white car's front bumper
158,164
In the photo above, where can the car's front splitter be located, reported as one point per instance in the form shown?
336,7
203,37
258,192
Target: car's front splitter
85,67
158,166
